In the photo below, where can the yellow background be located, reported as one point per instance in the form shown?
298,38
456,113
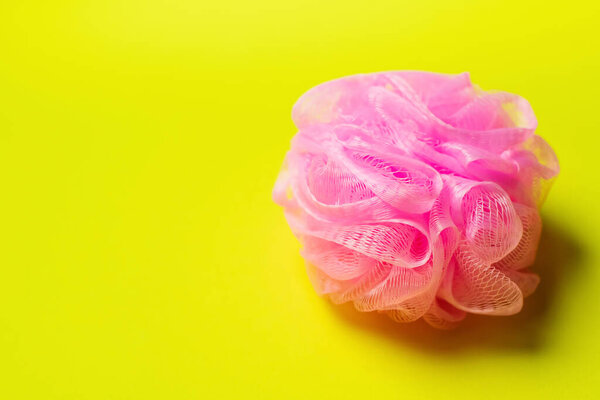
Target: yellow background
142,257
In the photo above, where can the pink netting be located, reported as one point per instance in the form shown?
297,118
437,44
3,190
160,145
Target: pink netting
417,194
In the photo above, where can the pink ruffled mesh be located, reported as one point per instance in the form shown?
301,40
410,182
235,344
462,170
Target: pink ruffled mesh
417,194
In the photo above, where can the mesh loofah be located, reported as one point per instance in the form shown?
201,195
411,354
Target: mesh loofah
417,194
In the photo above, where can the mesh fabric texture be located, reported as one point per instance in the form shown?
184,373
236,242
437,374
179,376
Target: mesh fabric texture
417,194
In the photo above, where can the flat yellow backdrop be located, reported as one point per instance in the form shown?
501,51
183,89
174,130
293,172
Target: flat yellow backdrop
142,256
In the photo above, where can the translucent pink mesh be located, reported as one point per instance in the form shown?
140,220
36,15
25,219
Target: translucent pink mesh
417,194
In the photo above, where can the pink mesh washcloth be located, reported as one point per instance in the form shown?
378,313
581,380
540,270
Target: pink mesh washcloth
417,194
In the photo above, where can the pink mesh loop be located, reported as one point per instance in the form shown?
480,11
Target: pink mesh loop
405,183
416,194
337,261
523,255
394,243
400,285
327,190
492,227
356,289
473,286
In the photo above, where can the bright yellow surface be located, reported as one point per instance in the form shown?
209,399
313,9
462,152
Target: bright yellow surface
142,257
